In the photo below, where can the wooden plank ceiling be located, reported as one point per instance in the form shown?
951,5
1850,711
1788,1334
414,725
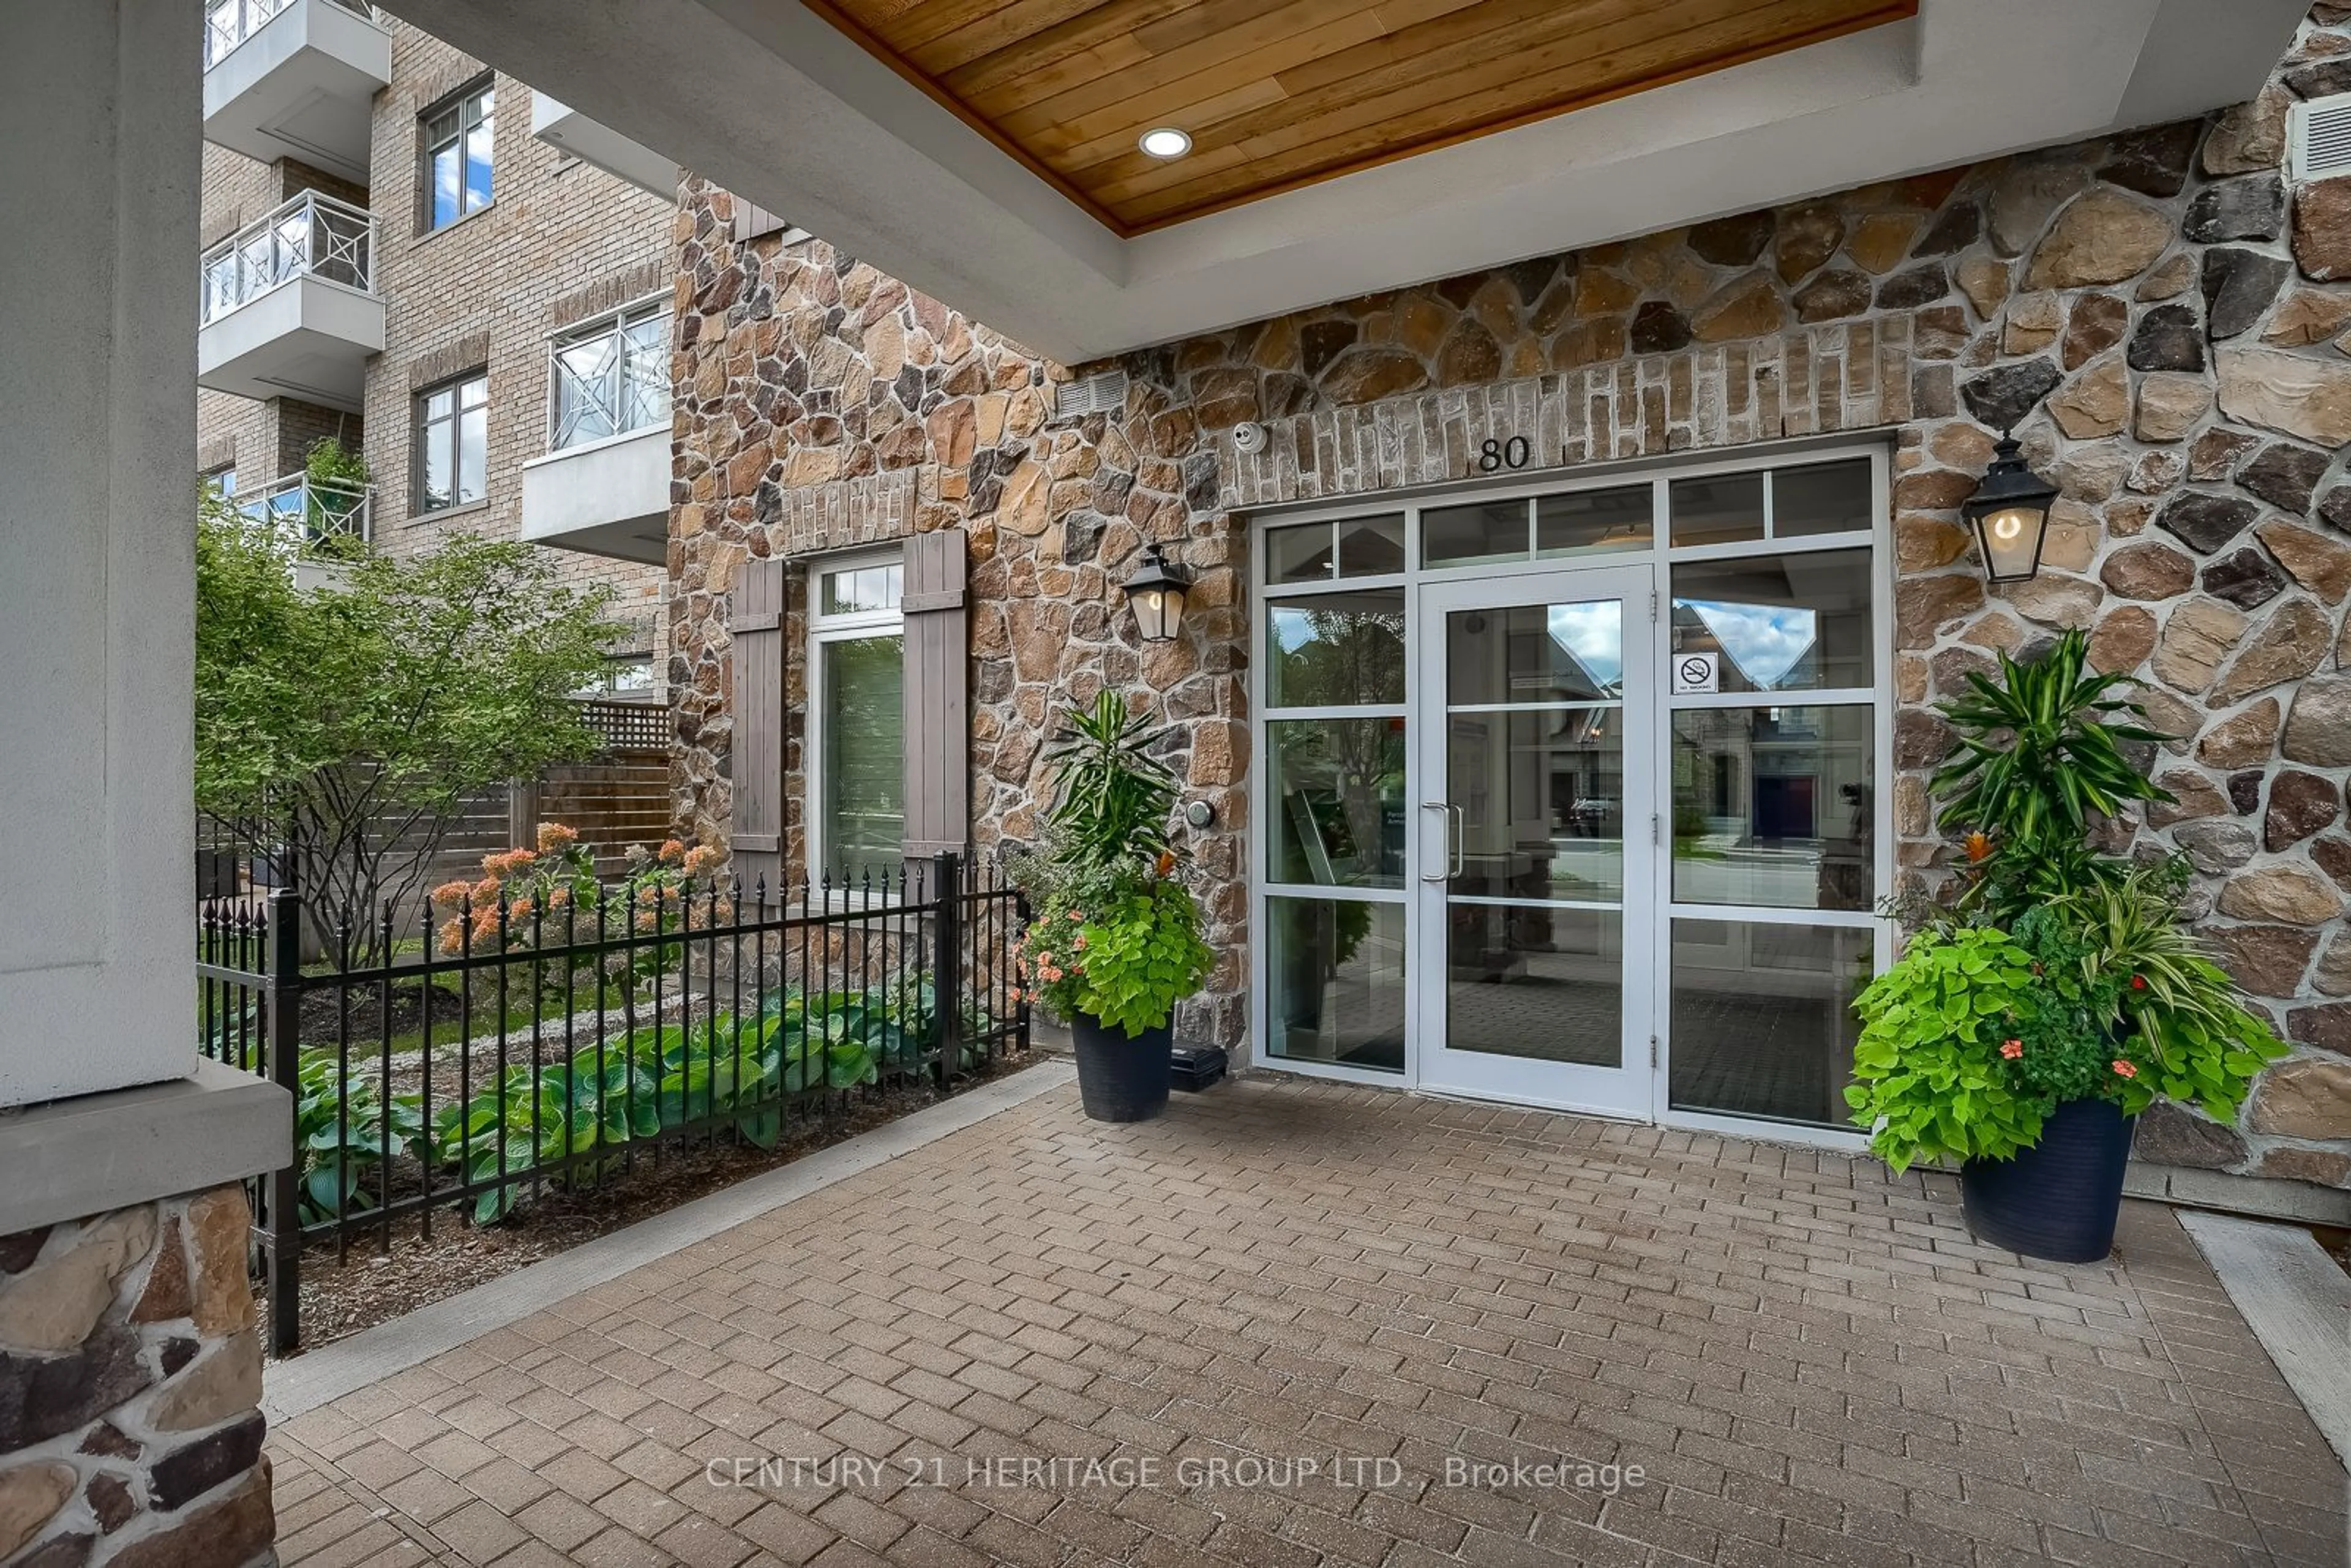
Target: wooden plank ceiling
1277,94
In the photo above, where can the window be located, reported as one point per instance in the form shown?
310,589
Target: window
612,375
457,157
221,481
453,444
857,799
624,676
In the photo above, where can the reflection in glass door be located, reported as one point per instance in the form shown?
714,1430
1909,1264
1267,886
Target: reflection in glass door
1531,867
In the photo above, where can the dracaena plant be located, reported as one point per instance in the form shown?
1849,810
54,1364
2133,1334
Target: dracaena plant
2062,974
2041,760
1117,934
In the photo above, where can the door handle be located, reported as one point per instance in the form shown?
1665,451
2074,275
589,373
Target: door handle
1447,811
1458,816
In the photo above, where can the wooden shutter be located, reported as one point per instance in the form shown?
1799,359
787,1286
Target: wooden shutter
756,834
938,719
753,222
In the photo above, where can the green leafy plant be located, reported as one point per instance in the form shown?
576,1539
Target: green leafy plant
1122,947
1116,934
1927,1079
1116,798
2064,974
2040,758
658,1078
344,1127
2182,1027
351,725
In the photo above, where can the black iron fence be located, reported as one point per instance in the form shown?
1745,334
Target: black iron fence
552,1035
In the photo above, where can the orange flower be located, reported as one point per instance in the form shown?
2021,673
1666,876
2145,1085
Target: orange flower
557,896
450,894
1166,862
700,859
554,838
2013,1049
672,851
486,891
453,935
520,908
1080,942
2124,1070
648,921
650,893
1077,914
486,924
1979,847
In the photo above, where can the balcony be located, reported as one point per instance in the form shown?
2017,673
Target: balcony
321,525
289,305
295,78
608,497
567,130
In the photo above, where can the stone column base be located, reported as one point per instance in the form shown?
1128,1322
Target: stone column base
131,1425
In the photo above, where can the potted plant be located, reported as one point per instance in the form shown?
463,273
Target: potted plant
1116,939
2024,1028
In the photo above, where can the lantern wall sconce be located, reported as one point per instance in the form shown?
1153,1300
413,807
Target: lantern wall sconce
2009,514
1156,594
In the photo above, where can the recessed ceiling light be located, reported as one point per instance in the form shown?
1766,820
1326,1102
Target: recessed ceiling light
1165,141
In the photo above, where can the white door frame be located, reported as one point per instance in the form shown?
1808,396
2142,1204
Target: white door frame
1659,556
1629,1089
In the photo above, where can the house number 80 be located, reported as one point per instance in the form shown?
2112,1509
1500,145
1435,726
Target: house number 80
1497,455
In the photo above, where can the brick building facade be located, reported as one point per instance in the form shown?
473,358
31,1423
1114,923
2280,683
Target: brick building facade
561,239
2158,313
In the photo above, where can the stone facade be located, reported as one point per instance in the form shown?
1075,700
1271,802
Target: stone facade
2166,324
131,1435
485,292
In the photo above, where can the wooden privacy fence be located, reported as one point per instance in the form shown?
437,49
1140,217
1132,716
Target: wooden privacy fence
616,799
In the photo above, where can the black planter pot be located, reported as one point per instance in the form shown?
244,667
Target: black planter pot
1122,1077
2058,1199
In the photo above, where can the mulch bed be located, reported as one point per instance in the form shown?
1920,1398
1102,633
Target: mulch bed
372,1286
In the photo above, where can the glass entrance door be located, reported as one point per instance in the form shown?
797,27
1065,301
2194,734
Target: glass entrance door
1533,884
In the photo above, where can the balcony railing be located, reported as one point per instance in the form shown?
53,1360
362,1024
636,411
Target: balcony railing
318,518
228,22
312,236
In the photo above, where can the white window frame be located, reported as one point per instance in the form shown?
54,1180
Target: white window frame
464,112
612,324
422,426
1661,555
823,630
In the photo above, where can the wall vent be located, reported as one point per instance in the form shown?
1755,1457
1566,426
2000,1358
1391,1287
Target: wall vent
2319,134
1105,391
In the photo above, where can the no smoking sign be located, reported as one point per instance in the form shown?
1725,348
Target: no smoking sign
1696,673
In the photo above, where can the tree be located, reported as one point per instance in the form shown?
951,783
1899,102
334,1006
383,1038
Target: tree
348,725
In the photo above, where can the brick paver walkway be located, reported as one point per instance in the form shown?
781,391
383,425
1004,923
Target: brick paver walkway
1810,1362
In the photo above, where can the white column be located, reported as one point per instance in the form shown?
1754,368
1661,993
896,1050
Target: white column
99,109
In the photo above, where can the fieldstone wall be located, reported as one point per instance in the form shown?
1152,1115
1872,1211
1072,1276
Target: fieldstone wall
129,1386
2166,324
